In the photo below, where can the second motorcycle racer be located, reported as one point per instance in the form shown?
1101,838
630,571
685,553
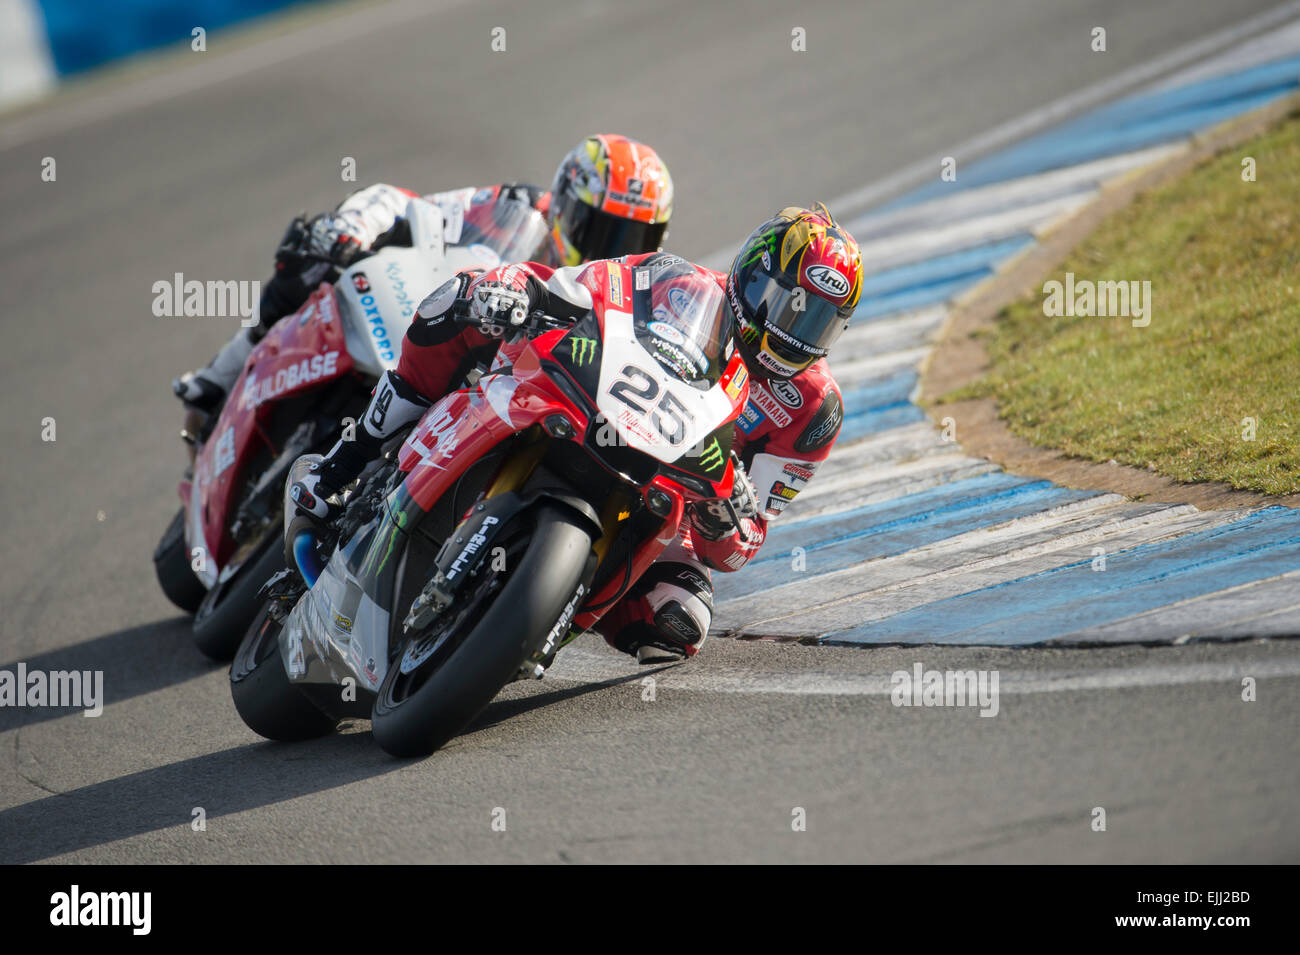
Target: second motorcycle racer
610,196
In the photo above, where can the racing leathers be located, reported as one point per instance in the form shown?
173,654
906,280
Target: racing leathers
311,249
784,432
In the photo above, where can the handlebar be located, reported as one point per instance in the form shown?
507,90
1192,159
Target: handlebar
737,465
537,320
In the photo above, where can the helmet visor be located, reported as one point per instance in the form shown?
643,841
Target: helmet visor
794,317
599,235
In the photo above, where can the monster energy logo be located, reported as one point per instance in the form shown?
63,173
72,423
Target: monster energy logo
711,458
764,243
582,350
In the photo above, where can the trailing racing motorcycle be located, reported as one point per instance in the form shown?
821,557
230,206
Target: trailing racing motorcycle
311,370
505,522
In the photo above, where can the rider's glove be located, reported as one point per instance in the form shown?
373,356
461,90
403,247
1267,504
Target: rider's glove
326,238
309,497
712,518
499,308
520,192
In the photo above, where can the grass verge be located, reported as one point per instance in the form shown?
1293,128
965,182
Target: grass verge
1210,389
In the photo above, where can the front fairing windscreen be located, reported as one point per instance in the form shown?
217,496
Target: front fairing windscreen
681,318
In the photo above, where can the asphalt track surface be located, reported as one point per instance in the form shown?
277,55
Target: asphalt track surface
201,180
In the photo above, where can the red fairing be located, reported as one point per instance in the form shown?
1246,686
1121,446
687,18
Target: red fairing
465,425
300,353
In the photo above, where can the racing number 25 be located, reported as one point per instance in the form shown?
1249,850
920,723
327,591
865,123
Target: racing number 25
670,416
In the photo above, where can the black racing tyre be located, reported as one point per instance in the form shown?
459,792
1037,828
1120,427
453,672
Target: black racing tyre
267,702
455,669
171,563
224,616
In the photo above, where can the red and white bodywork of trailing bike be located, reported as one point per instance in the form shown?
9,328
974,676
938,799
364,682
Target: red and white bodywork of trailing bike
312,369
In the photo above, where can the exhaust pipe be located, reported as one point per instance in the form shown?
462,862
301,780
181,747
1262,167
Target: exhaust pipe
299,530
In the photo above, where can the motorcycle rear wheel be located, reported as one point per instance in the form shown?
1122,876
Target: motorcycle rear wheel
467,662
267,702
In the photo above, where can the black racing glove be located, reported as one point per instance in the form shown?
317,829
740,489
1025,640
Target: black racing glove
326,238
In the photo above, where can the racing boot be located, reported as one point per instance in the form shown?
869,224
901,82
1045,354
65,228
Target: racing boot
206,388
666,617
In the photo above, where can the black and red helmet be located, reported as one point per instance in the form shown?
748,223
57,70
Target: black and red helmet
793,289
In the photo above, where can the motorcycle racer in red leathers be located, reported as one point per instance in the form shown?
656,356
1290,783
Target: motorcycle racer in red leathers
611,196
791,292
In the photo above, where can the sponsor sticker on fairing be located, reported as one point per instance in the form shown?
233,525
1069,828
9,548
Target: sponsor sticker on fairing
736,383
667,332
257,391
225,452
616,284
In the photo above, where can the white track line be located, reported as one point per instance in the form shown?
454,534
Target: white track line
1183,621
850,373
933,242
923,586
1000,196
581,665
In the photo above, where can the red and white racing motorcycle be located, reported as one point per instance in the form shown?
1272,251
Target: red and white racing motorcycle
311,370
511,517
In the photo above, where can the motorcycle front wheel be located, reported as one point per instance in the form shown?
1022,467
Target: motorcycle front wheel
227,610
442,678
171,563
266,701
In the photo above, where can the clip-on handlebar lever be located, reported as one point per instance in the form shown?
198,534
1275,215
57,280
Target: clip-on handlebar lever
731,508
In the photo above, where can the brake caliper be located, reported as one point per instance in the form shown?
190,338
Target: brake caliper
459,556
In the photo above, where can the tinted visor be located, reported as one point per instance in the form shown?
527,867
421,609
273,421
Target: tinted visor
797,320
599,235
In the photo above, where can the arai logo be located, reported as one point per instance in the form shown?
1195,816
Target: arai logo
828,280
786,392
